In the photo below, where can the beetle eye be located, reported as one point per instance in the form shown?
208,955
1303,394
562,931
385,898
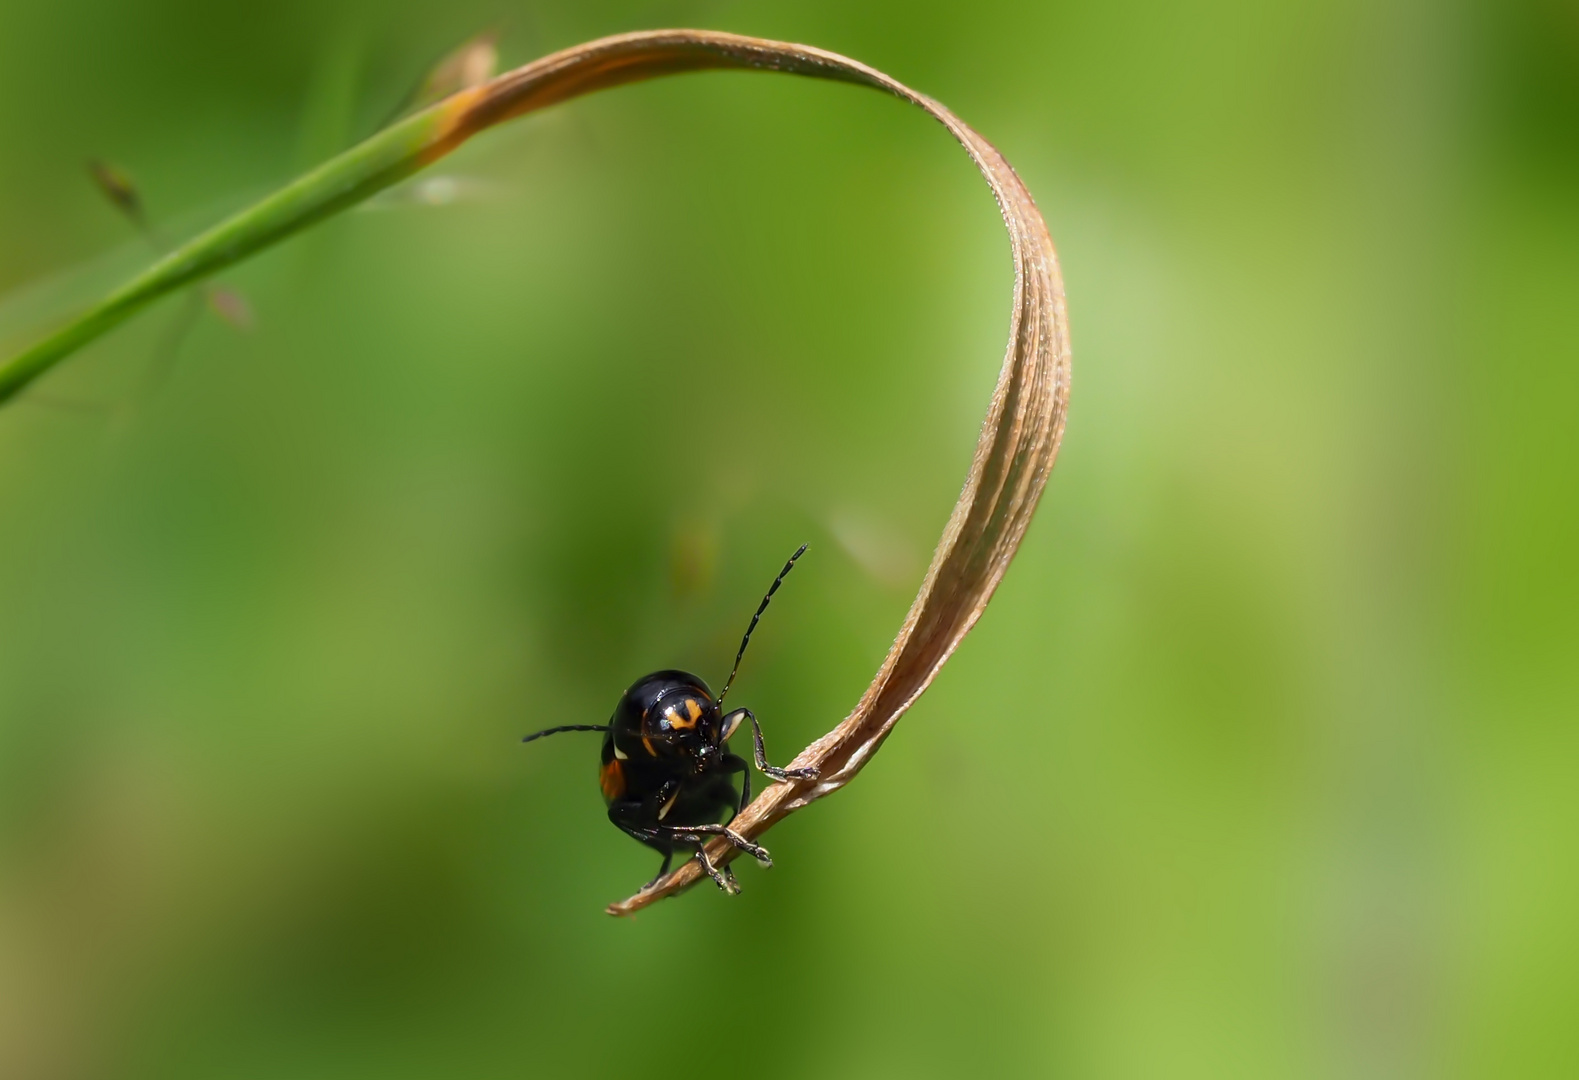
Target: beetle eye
732,721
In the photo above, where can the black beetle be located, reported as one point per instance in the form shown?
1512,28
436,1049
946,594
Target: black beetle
667,766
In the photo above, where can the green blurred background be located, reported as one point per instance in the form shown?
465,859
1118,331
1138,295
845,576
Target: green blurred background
1263,763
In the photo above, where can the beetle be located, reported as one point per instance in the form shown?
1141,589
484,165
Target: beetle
666,765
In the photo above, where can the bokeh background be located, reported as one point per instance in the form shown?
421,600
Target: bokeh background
1263,763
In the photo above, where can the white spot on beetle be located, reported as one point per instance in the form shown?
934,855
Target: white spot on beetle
732,721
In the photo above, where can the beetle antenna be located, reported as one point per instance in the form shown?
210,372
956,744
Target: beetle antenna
567,727
773,588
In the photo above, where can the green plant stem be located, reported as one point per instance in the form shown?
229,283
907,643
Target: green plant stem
385,159
406,146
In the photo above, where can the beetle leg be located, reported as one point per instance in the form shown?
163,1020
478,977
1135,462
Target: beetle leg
756,851
664,837
638,821
723,881
733,764
642,821
644,817
762,757
657,839
665,797
668,856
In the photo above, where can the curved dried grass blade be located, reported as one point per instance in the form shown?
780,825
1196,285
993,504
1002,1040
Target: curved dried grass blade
1019,438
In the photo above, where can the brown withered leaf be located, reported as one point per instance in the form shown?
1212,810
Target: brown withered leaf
1019,438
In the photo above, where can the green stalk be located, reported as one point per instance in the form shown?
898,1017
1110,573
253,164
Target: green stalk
386,158
406,146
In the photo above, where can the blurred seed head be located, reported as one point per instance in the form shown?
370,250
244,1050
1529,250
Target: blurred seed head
232,307
118,188
693,557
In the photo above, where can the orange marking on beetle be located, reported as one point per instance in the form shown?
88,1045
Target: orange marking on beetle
611,778
648,744
687,722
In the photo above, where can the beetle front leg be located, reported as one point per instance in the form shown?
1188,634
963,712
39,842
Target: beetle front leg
760,751
733,764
